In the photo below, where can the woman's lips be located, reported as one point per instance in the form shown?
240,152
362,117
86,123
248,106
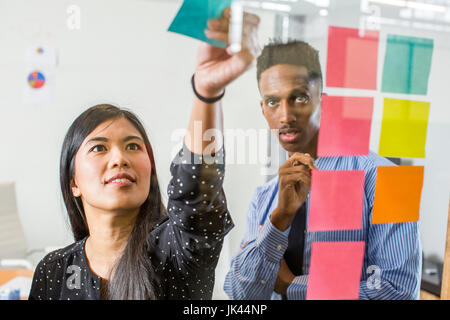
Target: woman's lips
121,182
122,179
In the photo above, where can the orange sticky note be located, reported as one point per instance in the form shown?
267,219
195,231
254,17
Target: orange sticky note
335,272
397,194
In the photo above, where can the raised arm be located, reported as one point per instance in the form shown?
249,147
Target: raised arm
216,68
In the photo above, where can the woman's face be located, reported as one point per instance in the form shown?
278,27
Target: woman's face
112,168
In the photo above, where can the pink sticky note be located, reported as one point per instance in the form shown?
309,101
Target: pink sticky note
352,58
336,201
345,126
335,271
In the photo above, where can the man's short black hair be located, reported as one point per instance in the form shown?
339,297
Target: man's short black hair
294,52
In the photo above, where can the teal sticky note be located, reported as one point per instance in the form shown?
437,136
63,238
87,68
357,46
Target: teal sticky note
407,64
191,20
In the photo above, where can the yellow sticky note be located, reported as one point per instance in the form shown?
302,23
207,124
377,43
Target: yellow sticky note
404,128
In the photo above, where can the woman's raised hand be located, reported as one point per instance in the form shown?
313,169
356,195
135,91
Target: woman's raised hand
217,67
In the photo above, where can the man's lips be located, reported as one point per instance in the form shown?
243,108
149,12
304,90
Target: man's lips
289,135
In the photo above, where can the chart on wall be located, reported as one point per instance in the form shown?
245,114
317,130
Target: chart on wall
38,80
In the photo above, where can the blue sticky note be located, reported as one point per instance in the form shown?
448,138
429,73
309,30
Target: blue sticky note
407,64
191,20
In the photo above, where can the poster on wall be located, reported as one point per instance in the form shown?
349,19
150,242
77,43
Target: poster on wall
38,79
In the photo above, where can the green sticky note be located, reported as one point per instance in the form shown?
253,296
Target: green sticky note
191,20
407,64
404,128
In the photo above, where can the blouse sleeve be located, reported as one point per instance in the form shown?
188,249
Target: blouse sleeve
39,283
189,244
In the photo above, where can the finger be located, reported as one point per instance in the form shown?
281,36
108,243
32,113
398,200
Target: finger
293,160
297,169
251,19
294,179
313,164
226,13
302,158
217,35
219,24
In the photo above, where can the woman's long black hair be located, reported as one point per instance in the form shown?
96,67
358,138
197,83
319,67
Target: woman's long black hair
133,274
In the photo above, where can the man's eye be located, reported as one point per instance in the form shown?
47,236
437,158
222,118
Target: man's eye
133,146
271,103
302,99
98,148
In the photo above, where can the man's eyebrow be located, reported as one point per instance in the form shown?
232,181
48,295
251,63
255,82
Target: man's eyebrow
297,90
270,96
301,89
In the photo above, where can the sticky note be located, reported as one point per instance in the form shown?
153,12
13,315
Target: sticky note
336,200
335,271
345,126
404,128
191,20
407,64
352,58
397,194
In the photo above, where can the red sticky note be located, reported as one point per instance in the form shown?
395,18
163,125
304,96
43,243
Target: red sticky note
336,201
345,126
397,194
352,58
335,271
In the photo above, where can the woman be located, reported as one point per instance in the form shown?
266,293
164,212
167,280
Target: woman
127,245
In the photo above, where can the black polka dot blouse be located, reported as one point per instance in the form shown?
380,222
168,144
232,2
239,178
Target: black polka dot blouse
186,244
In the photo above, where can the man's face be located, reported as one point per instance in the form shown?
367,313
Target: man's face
291,104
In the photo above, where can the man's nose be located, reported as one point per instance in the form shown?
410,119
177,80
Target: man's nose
287,115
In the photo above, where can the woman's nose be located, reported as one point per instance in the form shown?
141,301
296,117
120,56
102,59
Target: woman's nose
118,159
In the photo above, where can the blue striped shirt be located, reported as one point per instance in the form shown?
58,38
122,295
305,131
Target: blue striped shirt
393,249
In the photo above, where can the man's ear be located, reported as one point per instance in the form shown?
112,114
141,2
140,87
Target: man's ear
75,190
262,107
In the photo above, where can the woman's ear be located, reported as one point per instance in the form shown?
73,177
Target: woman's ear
75,190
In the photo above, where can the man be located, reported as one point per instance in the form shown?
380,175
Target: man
275,253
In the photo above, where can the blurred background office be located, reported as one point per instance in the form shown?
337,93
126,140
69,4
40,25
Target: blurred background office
120,52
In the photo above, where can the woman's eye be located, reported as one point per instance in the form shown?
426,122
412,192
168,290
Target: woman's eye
98,148
133,146
302,99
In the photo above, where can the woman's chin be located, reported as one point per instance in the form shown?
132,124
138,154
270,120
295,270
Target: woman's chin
123,206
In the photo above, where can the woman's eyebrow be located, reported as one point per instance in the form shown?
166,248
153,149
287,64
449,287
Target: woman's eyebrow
96,139
128,138
103,139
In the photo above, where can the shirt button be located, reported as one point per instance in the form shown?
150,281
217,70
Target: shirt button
279,247
263,281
